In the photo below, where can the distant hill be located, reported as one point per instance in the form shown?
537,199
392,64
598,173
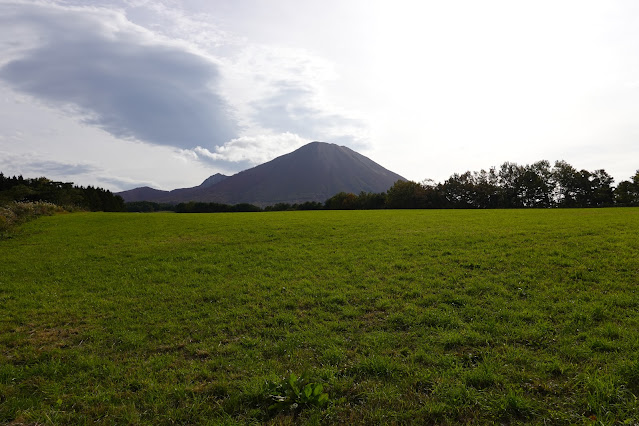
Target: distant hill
143,193
314,172
146,193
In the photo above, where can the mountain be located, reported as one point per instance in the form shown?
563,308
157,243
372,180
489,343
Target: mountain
143,193
146,193
314,172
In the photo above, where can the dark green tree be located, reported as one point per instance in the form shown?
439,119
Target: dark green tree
627,192
486,189
565,180
371,201
406,194
342,201
509,183
602,190
534,185
459,191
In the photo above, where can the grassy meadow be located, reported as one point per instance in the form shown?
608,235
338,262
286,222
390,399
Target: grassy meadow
426,317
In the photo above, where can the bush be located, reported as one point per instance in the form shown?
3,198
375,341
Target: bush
4,221
15,213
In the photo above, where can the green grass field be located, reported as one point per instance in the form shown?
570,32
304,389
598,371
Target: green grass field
502,316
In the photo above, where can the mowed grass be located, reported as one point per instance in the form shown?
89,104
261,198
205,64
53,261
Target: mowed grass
503,316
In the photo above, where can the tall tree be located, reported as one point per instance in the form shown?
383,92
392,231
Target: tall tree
459,191
603,192
509,182
627,192
565,182
486,189
534,187
405,194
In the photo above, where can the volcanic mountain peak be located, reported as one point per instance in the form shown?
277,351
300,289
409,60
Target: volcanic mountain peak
314,172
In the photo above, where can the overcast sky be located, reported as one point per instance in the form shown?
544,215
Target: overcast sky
124,93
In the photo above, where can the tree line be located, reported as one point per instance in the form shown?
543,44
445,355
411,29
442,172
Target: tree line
60,193
538,185
203,207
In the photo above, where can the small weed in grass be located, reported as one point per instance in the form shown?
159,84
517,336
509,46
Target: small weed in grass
294,393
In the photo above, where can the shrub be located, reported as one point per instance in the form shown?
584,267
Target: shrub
16,213
4,221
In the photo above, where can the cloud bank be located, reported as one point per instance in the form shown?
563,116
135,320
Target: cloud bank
116,75
31,168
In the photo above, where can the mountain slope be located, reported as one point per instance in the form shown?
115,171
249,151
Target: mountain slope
314,172
212,180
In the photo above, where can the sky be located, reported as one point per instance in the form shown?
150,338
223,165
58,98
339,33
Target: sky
164,93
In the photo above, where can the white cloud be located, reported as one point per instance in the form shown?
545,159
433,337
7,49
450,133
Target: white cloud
254,150
282,91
